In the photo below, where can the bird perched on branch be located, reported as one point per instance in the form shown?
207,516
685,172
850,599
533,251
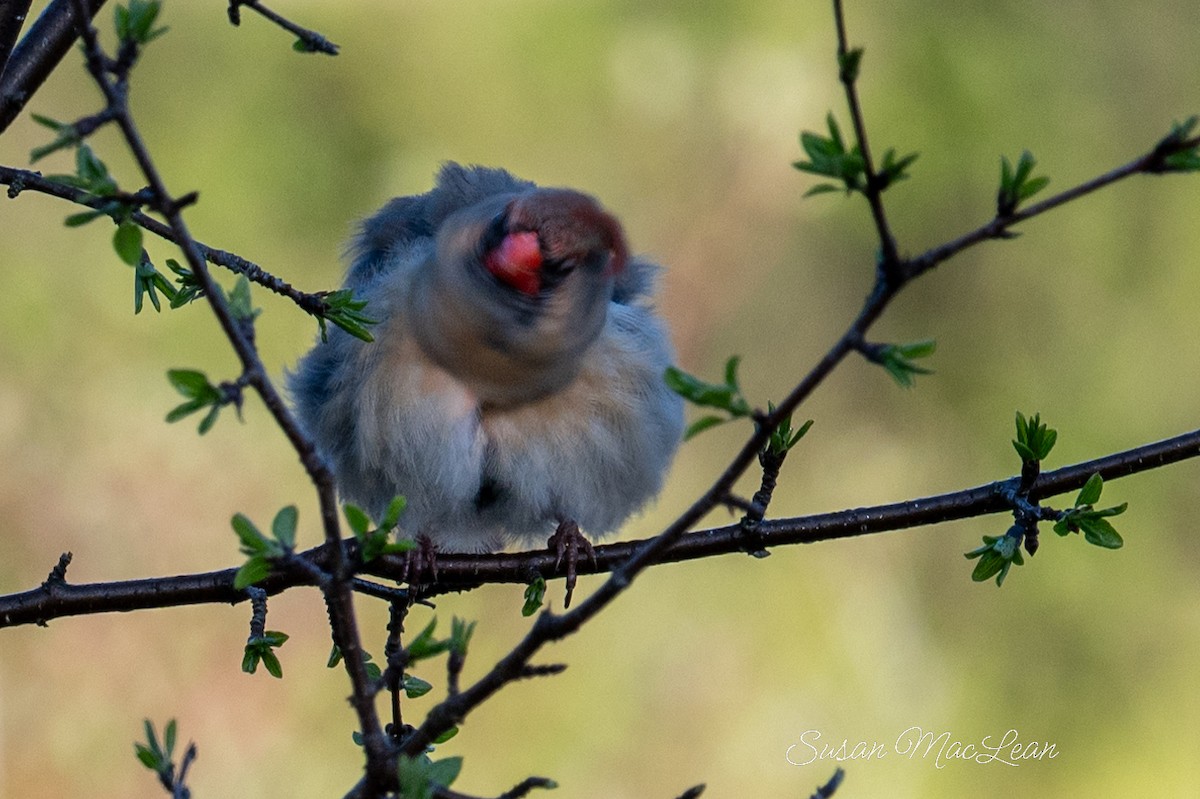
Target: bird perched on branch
514,389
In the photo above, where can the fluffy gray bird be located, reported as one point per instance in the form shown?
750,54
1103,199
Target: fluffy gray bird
515,388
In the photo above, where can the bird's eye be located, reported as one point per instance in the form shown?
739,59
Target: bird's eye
495,232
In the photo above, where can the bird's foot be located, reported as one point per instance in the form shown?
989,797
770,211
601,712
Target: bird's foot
420,562
566,543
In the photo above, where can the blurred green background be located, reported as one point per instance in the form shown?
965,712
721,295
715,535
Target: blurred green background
682,117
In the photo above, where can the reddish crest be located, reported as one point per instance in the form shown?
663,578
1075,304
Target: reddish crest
517,260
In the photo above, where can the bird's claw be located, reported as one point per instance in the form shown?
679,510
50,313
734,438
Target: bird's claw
566,542
420,562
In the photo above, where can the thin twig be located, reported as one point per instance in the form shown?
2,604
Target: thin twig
889,256
19,180
311,40
999,226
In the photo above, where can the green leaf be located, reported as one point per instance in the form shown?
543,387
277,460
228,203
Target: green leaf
255,570
1016,184
146,757
1032,187
391,517
848,64
75,220
535,594
460,635
1034,439
424,646
345,311
240,305
898,360
444,772
700,425
415,686
272,664
152,738
253,541
821,188
47,122
1090,493
127,241
274,638
414,777
709,395
169,737
184,410
208,421
731,370
1099,532
190,383
450,733
358,520
283,526
335,657
1023,451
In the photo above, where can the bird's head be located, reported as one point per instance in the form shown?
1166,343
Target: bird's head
517,289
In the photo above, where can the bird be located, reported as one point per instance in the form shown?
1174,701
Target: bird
514,389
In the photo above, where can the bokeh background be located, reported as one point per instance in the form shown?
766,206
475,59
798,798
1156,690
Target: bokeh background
683,117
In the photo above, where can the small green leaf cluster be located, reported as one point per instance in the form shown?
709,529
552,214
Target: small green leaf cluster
189,288
345,311
1093,522
725,396
849,63
68,135
783,437
899,360
535,596
261,649
374,541
425,646
420,777
1034,439
369,664
1017,185
241,307
260,549
1173,152
200,394
91,175
135,22
155,756
828,157
997,555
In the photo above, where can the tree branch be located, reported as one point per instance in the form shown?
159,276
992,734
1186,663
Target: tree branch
1149,163
848,74
38,53
309,41
12,19
60,599
337,592
19,180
